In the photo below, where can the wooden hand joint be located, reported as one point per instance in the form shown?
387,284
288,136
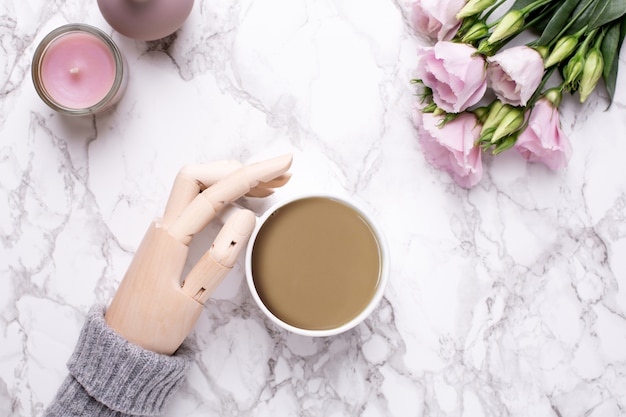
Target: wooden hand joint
152,307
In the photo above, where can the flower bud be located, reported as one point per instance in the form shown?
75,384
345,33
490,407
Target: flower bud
563,48
430,108
495,113
572,71
510,24
591,73
554,96
497,110
474,7
467,23
504,144
481,113
487,48
477,31
511,122
438,111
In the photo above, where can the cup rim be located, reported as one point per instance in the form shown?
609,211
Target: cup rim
384,268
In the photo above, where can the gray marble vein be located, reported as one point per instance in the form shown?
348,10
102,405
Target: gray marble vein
505,300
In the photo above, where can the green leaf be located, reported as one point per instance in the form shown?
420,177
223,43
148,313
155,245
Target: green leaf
598,14
611,46
585,12
539,18
558,22
541,22
607,11
520,4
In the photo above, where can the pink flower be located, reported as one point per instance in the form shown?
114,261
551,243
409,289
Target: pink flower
451,147
436,19
514,74
455,72
543,141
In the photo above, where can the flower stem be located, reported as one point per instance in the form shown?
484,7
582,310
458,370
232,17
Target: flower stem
570,23
533,6
598,41
546,76
493,9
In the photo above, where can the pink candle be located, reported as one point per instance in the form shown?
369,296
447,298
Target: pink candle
78,70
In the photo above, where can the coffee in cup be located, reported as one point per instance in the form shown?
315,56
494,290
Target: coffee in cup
316,264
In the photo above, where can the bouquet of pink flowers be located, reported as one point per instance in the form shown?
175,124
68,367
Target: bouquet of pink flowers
574,44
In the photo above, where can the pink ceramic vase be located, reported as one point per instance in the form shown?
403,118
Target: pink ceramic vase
145,20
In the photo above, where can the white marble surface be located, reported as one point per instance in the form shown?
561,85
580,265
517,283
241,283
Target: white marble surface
506,300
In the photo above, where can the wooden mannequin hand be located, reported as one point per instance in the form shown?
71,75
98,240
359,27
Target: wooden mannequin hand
155,308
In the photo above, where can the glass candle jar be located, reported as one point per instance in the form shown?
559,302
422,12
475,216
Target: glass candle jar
78,70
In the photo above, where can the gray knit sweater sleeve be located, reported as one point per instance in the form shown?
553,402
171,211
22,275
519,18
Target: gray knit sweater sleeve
111,377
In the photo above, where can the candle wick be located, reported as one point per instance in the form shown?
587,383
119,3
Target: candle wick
74,71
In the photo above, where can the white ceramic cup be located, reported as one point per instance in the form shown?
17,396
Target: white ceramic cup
383,273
